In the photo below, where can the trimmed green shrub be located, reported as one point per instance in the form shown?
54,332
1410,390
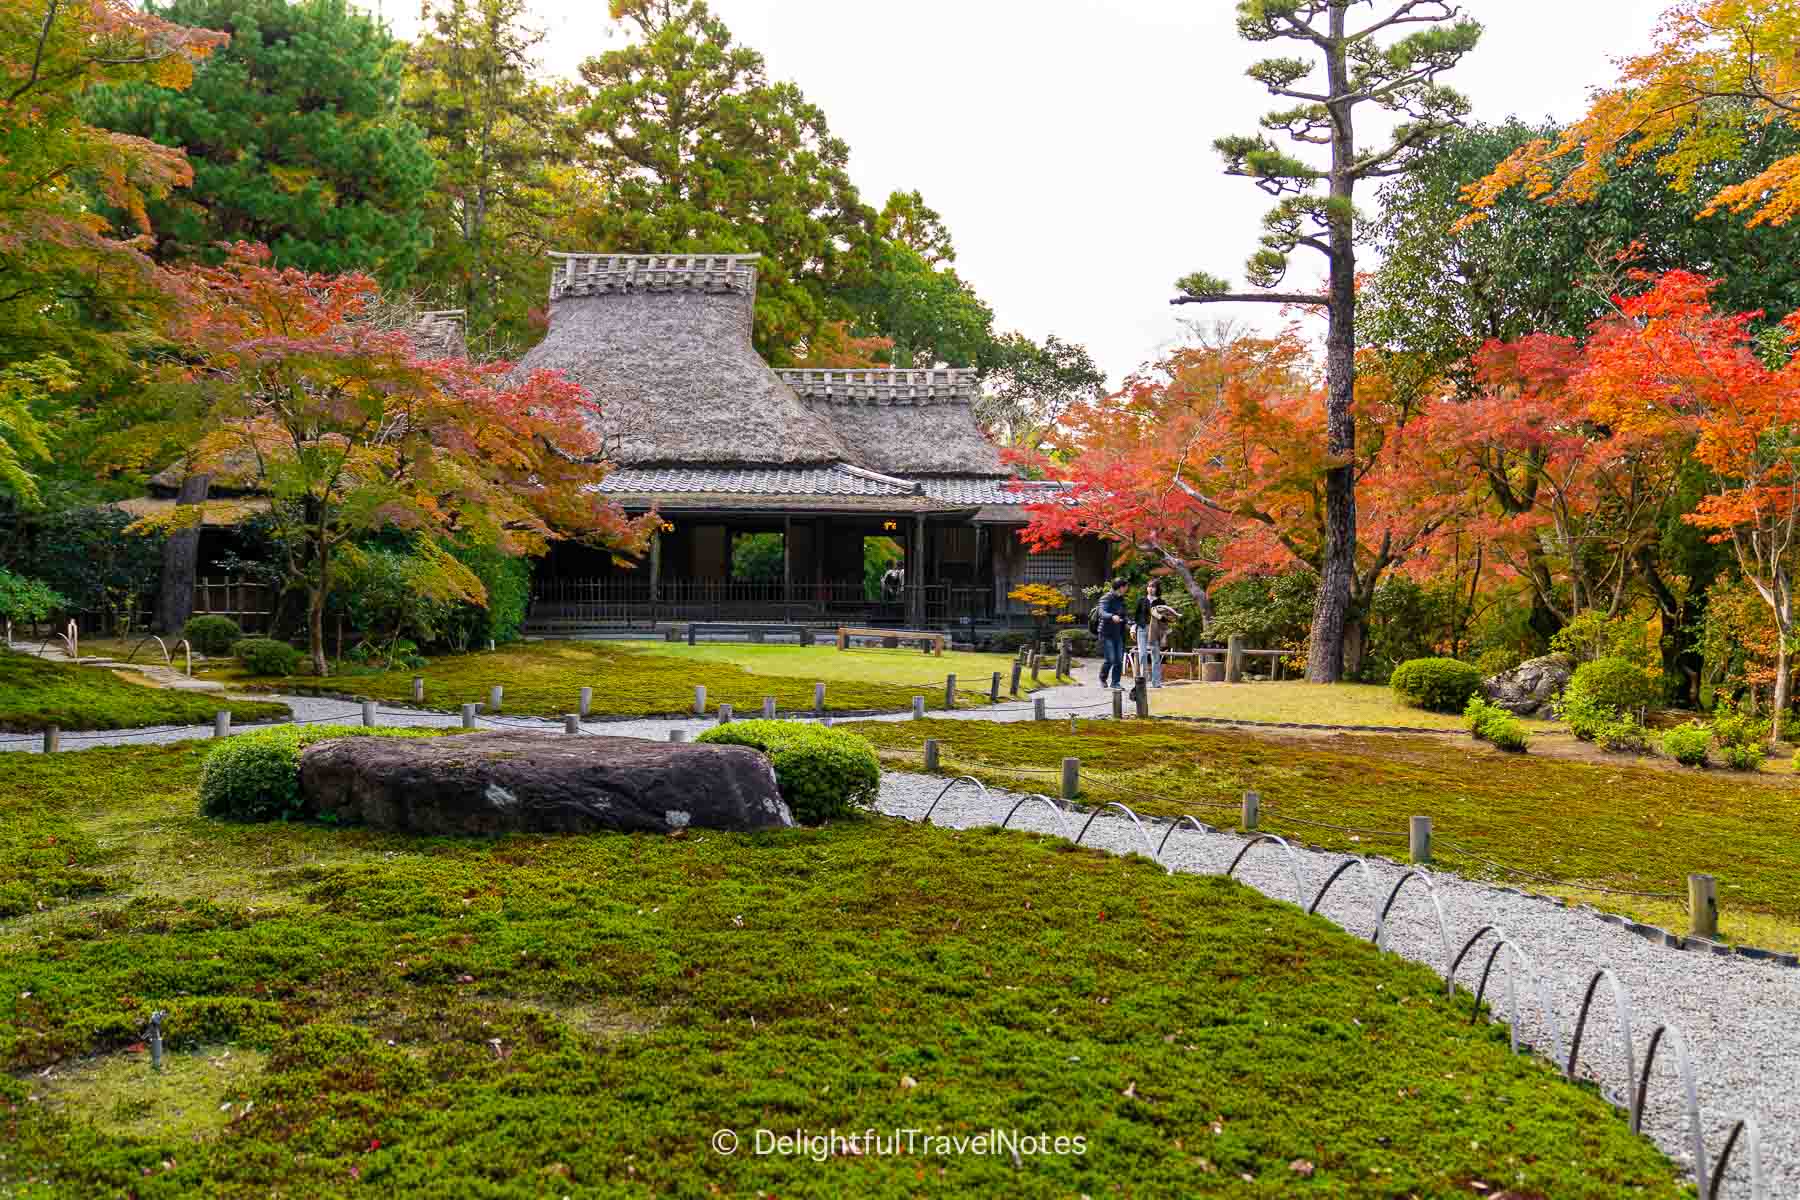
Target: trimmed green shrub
256,776
1438,684
1491,723
212,635
1508,733
266,656
1584,715
1742,758
1617,683
822,773
1686,744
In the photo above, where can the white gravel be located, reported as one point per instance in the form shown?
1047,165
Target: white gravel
1740,1018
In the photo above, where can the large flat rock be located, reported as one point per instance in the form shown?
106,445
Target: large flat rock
507,781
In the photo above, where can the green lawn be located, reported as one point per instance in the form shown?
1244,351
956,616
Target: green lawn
1639,828
1299,702
353,1013
35,694
652,678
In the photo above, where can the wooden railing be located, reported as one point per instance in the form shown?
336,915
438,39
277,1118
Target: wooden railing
630,602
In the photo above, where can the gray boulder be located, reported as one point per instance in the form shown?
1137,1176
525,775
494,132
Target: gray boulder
508,781
1531,688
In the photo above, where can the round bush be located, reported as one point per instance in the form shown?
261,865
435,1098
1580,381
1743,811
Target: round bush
1508,733
266,656
211,635
822,773
1686,744
1616,683
255,776
1743,758
1438,684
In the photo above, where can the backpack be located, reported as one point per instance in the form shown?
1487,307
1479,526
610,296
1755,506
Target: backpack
1094,620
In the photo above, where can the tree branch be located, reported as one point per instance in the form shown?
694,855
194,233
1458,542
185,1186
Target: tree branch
1255,298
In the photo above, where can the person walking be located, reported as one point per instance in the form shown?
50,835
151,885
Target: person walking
1162,623
1140,621
1112,635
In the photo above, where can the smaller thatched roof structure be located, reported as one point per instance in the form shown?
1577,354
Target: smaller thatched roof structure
904,422
440,333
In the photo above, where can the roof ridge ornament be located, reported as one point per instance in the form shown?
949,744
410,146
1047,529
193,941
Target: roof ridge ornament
917,385
613,274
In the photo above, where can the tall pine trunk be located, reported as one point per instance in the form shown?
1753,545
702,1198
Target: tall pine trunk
1325,658
180,561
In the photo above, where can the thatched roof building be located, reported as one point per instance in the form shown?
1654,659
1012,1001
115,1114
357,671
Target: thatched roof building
706,433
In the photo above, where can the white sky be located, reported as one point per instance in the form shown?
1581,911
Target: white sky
1068,143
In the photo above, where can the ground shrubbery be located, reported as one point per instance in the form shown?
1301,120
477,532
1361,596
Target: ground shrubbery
256,776
212,635
1687,744
1439,684
1491,723
267,656
823,773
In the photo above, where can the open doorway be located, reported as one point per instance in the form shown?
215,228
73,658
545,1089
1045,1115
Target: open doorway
757,558
884,570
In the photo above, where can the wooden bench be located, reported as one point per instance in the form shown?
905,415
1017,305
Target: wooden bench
933,642
755,631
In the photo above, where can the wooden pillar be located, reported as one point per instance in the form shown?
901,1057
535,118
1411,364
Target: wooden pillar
915,575
655,571
787,567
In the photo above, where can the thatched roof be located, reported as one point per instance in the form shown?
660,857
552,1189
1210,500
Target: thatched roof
663,344
219,514
904,422
440,334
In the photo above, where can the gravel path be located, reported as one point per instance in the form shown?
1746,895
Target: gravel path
1740,1019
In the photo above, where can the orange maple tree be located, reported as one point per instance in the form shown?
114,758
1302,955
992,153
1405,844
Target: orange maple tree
1670,365
351,428
1217,460
1717,67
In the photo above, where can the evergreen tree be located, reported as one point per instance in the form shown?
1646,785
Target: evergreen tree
296,138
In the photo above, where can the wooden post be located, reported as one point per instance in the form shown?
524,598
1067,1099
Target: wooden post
468,716
724,714
585,703
1071,778
1118,701
843,638
1140,695
418,689
1252,810
1037,708
368,714
52,740
994,689
1062,661
918,708
1234,659
949,691
931,754
571,724
222,723
678,735
818,699
768,708
1703,907
700,700
1015,678
1418,839
494,695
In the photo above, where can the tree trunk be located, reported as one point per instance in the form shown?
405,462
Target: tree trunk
315,630
1778,709
1325,659
180,560
1356,644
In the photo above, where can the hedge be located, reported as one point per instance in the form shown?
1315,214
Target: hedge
822,773
1438,684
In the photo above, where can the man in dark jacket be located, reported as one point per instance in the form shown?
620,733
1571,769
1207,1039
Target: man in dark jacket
1112,635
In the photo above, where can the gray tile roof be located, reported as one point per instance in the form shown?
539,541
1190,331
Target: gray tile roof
962,489
834,480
